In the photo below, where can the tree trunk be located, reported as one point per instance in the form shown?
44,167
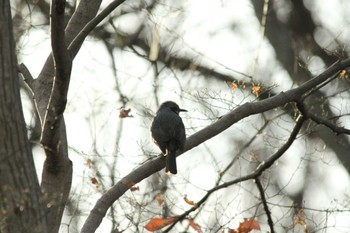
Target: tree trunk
20,207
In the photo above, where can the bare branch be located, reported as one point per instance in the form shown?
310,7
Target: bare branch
63,66
53,137
75,44
42,86
266,207
336,129
98,212
260,169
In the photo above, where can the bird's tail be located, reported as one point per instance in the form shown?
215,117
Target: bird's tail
170,162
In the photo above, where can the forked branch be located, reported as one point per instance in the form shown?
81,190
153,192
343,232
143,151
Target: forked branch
103,204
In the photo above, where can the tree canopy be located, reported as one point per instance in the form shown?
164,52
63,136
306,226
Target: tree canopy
265,84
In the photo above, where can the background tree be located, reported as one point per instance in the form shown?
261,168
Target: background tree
265,81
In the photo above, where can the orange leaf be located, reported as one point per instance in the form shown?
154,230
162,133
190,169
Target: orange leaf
247,225
195,226
256,89
188,201
298,218
342,74
158,223
233,86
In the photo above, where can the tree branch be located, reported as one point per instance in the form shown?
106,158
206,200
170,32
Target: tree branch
57,171
28,78
63,66
77,41
336,129
266,207
264,165
42,86
99,211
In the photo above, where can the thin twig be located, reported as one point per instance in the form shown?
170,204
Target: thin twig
266,207
260,169
336,129
103,204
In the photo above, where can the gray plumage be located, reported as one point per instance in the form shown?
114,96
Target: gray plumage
168,132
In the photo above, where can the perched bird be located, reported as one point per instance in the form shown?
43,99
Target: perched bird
168,132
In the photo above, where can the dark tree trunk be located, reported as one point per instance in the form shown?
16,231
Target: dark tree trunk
20,207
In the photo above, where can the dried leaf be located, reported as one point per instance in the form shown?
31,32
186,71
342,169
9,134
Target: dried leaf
190,202
95,182
232,231
89,163
159,198
256,89
247,225
158,223
195,226
298,217
130,183
342,74
134,188
233,86
125,113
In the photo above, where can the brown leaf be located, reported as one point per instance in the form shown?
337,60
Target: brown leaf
159,198
89,163
188,201
195,226
95,182
232,231
134,188
247,225
125,113
158,223
130,184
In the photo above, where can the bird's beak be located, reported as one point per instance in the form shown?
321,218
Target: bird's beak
182,110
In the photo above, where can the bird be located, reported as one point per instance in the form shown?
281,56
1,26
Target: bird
168,133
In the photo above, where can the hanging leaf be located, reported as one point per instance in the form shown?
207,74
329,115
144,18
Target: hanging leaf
95,182
195,226
256,89
158,223
247,225
188,201
134,188
125,113
342,74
